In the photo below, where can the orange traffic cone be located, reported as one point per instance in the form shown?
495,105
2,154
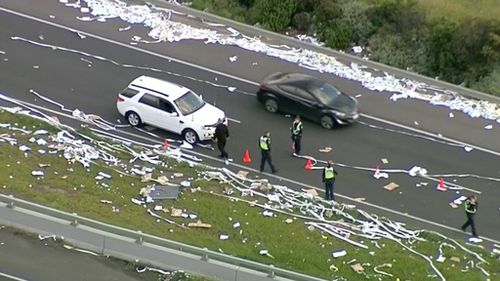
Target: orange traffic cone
309,165
165,144
246,157
377,170
441,186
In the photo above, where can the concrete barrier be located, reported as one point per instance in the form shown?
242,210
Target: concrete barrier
132,244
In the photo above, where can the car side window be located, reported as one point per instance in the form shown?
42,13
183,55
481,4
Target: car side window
150,100
167,106
299,93
127,92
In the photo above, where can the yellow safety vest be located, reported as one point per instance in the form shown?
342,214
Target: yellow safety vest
263,143
296,127
329,174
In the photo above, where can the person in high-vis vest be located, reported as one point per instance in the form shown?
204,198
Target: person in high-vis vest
470,210
265,149
329,175
296,135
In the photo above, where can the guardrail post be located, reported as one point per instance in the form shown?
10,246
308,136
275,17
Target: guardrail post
204,257
139,239
74,222
271,273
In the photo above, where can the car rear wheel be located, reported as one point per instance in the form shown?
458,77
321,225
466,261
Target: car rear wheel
190,136
271,105
134,119
327,122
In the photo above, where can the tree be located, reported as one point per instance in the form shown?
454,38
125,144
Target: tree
338,34
445,53
274,14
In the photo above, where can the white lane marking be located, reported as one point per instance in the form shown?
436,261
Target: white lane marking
276,177
12,277
222,73
130,46
437,136
233,120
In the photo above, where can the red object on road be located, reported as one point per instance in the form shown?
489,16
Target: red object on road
246,157
309,165
441,185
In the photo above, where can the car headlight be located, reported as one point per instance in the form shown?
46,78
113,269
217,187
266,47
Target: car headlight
340,114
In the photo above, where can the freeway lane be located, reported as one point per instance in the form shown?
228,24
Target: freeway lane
22,258
252,66
64,77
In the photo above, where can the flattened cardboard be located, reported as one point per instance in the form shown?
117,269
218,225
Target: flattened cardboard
391,186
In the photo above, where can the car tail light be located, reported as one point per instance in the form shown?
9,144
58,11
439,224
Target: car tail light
119,99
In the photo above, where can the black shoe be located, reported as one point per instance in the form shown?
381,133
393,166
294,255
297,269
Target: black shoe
274,171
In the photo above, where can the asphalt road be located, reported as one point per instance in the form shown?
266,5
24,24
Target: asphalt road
66,78
24,258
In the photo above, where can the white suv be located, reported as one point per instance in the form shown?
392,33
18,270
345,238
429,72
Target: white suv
168,106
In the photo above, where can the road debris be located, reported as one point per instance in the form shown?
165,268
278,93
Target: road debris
339,253
391,186
326,149
357,267
37,173
223,236
377,270
199,224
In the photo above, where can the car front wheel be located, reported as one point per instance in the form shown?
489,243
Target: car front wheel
327,122
190,136
271,105
134,119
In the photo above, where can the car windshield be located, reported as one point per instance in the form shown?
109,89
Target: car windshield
324,92
189,103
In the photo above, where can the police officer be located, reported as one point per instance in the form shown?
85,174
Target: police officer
265,149
329,174
470,210
221,136
296,135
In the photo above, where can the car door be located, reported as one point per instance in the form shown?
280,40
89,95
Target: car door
301,102
159,113
169,118
288,100
147,107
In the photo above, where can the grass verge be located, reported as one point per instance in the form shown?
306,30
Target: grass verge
68,186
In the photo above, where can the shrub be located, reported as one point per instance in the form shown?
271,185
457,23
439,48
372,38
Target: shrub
355,14
445,53
338,34
489,83
324,12
275,15
392,48
302,21
224,8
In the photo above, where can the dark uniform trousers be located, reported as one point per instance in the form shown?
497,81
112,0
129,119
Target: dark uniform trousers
470,222
329,184
297,143
266,157
221,144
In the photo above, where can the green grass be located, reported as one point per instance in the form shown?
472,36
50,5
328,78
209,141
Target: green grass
461,9
293,245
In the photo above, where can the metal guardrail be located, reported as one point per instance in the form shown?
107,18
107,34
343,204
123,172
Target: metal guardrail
141,237
291,40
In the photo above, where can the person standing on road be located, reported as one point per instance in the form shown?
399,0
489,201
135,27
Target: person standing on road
296,135
265,149
329,175
470,210
221,136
